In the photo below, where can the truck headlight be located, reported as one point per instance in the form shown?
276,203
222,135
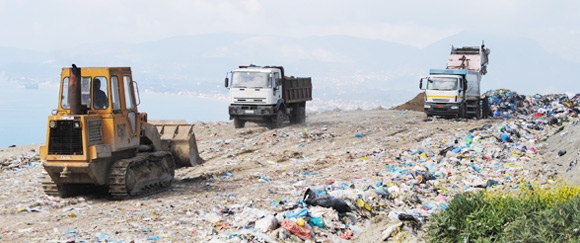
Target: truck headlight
52,124
77,124
454,107
427,107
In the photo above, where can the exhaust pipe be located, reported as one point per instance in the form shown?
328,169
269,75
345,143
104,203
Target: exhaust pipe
74,91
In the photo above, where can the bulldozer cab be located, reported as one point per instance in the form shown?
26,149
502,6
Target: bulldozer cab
103,90
107,120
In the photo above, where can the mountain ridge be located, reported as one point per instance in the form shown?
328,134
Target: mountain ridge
342,67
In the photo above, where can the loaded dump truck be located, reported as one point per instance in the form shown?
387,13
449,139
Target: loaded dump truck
455,90
97,139
265,95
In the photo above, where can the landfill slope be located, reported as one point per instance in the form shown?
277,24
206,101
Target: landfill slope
562,151
391,168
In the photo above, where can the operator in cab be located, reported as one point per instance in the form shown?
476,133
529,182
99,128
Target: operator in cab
100,100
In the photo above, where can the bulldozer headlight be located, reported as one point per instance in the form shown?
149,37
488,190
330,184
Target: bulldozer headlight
77,124
52,124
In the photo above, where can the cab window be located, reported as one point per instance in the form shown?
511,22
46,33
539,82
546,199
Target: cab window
129,99
64,98
115,93
85,92
276,78
100,93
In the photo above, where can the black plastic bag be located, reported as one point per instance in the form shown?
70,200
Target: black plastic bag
315,199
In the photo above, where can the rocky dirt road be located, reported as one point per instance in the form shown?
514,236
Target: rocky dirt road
390,167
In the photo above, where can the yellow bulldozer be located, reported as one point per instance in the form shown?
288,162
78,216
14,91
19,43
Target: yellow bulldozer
97,138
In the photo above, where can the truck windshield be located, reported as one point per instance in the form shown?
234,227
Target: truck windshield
442,83
250,80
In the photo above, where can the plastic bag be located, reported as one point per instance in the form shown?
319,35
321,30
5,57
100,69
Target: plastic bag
303,232
312,198
316,221
297,213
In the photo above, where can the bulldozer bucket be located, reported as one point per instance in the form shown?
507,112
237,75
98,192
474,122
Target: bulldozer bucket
177,137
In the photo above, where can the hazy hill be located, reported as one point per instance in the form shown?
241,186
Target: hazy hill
344,69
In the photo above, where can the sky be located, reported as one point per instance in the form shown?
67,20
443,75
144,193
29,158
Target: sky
53,25
57,25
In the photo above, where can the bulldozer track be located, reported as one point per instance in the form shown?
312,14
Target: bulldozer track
50,188
122,171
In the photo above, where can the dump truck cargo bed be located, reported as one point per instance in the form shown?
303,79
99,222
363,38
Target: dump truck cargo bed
297,89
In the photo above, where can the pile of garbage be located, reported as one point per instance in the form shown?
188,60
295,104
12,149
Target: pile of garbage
507,103
22,158
412,184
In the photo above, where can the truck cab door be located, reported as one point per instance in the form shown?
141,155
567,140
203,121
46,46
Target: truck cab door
277,83
462,88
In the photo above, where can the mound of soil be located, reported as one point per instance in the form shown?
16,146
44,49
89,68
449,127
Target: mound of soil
415,104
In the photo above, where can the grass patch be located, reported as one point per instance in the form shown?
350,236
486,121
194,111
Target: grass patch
530,213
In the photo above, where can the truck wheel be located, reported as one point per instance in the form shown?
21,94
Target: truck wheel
278,119
239,123
485,109
301,115
294,116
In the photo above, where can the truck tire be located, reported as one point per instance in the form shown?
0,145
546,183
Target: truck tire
278,119
239,123
485,109
301,115
294,115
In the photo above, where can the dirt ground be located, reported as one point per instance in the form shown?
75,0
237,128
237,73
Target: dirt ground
254,171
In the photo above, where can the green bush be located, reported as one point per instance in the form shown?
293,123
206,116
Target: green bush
528,214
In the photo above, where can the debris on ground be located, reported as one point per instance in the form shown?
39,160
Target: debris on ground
361,176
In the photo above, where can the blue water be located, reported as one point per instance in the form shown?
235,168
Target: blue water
24,112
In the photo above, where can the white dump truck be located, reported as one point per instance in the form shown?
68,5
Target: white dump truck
266,96
455,90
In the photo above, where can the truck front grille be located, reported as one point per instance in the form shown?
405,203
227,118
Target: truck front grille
65,139
250,100
441,100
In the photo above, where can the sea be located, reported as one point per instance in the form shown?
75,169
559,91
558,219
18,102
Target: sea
24,110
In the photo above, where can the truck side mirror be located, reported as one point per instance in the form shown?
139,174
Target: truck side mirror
227,82
421,83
